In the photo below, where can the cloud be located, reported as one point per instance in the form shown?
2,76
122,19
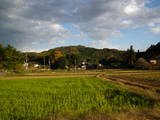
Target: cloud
102,44
42,22
131,8
155,30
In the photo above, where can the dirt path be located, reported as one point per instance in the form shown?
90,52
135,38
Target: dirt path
43,77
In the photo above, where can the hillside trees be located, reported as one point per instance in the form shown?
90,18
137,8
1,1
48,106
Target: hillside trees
75,55
10,58
153,51
74,59
56,56
62,63
54,59
109,58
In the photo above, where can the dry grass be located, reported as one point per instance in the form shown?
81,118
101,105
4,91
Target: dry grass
152,114
149,78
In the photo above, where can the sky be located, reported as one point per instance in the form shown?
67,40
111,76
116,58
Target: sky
38,25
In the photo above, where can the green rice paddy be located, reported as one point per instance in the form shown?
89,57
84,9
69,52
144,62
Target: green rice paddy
30,99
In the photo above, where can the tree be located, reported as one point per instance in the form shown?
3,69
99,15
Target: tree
1,56
56,55
54,59
62,63
153,51
1,52
74,59
10,58
131,56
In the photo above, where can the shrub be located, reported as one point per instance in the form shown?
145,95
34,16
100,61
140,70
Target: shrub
18,68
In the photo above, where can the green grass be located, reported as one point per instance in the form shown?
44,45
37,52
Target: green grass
38,98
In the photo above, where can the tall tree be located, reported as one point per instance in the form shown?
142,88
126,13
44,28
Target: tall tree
131,56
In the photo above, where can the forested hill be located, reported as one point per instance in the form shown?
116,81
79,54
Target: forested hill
85,53
107,57
153,51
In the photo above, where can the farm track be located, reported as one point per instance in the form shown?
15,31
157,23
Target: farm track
59,75
39,77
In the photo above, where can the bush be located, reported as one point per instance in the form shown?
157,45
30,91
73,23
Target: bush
19,68
1,66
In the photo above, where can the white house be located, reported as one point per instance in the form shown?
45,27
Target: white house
36,65
153,61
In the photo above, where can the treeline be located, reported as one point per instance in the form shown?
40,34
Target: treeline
152,52
78,56
11,59
75,56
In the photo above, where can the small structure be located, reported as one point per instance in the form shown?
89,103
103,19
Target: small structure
158,59
36,65
25,65
83,66
153,61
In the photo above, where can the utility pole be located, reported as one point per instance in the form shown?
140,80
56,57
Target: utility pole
44,62
26,58
49,62
75,65
26,62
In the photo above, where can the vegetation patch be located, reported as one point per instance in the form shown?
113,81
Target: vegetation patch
158,91
39,98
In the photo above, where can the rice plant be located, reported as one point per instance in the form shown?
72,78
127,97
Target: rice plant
30,99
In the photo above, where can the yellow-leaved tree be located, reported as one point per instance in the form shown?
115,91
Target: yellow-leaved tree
56,55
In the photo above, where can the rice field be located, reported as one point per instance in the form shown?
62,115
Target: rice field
34,99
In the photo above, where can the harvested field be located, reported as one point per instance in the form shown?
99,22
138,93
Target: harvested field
151,79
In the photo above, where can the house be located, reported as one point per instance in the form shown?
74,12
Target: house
36,65
83,66
153,61
158,59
